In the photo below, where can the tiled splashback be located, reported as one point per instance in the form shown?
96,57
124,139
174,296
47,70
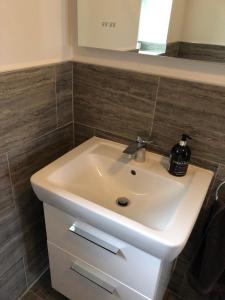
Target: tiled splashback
115,101
126,103
119,104
36,126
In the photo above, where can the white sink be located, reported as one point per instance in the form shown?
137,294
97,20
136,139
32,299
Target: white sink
162,209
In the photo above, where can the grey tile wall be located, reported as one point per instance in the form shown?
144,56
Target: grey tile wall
204,52
36,127
115,101
13,282
64,92
5,187
39,121
195,108
27,105
117,105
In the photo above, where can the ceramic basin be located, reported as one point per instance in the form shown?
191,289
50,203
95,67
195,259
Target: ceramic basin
161,209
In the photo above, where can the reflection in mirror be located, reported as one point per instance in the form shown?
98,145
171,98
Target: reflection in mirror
108,24
193,29
154,26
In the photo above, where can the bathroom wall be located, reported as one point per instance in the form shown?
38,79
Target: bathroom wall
35,128
36,124
118,104
210,28
36,120
35,32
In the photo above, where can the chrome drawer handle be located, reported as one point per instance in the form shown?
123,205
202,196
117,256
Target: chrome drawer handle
93,275
94,235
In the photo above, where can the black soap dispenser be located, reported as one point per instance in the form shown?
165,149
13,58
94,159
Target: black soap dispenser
179,157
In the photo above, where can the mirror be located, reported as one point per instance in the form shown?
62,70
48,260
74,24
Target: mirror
192,29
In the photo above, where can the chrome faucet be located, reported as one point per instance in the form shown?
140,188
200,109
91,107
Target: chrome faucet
137,149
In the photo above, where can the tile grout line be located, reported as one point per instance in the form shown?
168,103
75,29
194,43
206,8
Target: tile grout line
154,110
49,132
4,153
33,283
35,294
95,129
10,179
105,131
25,272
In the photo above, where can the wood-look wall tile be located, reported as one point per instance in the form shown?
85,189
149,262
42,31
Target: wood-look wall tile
9,227
206,164
82,133
196,109
64,93
31,241
205,144
214,53
125,85
13,282
6,200
11,252
32,156
24,161
183,103
22,234
28,206
172,49
28,122
27,105
95,111
105,100
112,137
75,78
35,251
115,101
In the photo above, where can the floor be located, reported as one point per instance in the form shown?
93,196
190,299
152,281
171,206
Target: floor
42,290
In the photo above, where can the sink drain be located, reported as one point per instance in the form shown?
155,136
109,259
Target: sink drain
122,201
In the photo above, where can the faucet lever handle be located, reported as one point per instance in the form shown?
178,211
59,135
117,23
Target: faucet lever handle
144,141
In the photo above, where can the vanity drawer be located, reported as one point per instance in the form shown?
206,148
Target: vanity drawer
129,265
76,279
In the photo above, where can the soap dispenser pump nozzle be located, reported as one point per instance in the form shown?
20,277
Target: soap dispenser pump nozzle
184,138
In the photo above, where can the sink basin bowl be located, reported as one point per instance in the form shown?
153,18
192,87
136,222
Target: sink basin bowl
161,209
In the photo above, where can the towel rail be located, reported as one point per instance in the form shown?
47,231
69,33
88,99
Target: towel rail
218,189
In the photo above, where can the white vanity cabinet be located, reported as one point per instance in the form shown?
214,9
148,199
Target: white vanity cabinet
89,264
100,250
